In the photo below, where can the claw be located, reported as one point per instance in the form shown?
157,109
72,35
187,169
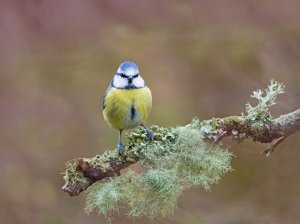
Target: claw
149,133
120,147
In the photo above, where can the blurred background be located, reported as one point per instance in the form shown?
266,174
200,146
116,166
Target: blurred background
200,58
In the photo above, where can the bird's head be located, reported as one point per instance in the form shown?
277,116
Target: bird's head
128,77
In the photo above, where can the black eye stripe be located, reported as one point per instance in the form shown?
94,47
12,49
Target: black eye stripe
126,76
122,75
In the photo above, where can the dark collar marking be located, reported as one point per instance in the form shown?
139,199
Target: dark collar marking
132,112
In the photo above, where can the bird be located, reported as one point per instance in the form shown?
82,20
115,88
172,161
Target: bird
127,101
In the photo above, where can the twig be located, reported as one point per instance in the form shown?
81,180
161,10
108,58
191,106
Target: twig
271,148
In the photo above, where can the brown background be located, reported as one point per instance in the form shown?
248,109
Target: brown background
200,58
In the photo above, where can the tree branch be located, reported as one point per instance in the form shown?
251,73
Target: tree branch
83,172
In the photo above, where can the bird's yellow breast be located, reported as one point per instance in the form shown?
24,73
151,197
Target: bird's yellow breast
127,108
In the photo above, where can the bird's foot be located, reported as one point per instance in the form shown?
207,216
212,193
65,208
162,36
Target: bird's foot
120,147
150,134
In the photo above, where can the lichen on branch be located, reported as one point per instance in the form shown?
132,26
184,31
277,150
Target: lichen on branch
177,159
182,160
265,101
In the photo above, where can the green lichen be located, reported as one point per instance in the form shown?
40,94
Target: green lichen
152,194
105,197
72,177
177,159
265,101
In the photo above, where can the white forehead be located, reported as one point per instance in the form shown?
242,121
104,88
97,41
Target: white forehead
128,68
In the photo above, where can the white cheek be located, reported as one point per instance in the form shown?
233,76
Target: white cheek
119,82
138,82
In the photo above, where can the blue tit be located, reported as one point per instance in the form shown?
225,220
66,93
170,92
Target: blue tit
127,101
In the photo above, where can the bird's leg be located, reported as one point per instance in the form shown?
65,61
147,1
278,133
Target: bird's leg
149,133
120,144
